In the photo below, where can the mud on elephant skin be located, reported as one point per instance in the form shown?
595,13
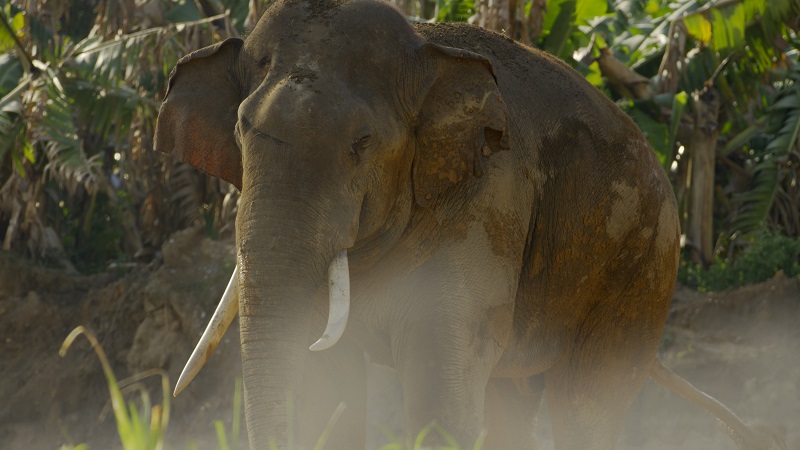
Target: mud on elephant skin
489,224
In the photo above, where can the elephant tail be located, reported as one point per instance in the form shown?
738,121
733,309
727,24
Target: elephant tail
747,437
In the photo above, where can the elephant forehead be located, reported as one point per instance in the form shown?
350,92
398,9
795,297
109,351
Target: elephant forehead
308,64
366,32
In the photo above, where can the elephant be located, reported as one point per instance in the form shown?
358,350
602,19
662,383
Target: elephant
489,224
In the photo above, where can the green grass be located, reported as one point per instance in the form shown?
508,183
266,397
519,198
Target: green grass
138,429
222,439
431,430
142,425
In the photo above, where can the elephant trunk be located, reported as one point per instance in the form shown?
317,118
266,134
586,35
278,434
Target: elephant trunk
285,248
274,337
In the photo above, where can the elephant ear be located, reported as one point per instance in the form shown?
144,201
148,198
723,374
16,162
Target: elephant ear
198,116
462,119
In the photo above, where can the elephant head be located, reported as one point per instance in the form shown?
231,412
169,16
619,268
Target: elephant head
338,123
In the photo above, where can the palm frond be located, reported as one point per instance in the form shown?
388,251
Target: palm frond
67,160
722,25
757,202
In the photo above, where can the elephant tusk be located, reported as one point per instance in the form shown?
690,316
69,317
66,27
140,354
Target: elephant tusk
219,322
339,310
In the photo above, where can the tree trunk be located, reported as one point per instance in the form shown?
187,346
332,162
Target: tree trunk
626,81
674,55
257,8
702,151
493,15
532,25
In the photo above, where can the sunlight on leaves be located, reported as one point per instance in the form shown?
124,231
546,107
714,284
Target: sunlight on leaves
698,27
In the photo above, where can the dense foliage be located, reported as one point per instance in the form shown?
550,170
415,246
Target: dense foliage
764,255
80,87
81,81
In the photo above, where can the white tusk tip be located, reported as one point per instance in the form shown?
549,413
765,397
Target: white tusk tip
181,385
322,343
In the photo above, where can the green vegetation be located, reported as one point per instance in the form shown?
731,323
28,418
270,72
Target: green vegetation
222,436
418,443
140,427
80,85
762,256
141,424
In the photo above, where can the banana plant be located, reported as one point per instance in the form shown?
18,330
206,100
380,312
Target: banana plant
773,194
652,54
78,103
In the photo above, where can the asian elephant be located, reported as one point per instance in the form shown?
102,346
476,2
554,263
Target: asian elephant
489,224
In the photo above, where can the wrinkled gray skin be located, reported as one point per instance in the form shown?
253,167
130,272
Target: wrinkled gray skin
508,227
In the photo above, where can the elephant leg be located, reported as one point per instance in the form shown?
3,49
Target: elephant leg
333,376
510,414
453,321
444,383
589,393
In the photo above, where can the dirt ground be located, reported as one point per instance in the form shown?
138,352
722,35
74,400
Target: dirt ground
740,346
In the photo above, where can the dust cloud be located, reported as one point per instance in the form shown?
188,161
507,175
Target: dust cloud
739,346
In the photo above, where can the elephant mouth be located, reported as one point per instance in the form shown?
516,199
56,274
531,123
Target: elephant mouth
338,314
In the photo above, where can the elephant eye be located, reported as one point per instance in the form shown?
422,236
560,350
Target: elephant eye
358,146
361,143
263,62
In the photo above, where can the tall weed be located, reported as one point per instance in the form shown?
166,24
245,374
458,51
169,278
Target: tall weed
139,429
